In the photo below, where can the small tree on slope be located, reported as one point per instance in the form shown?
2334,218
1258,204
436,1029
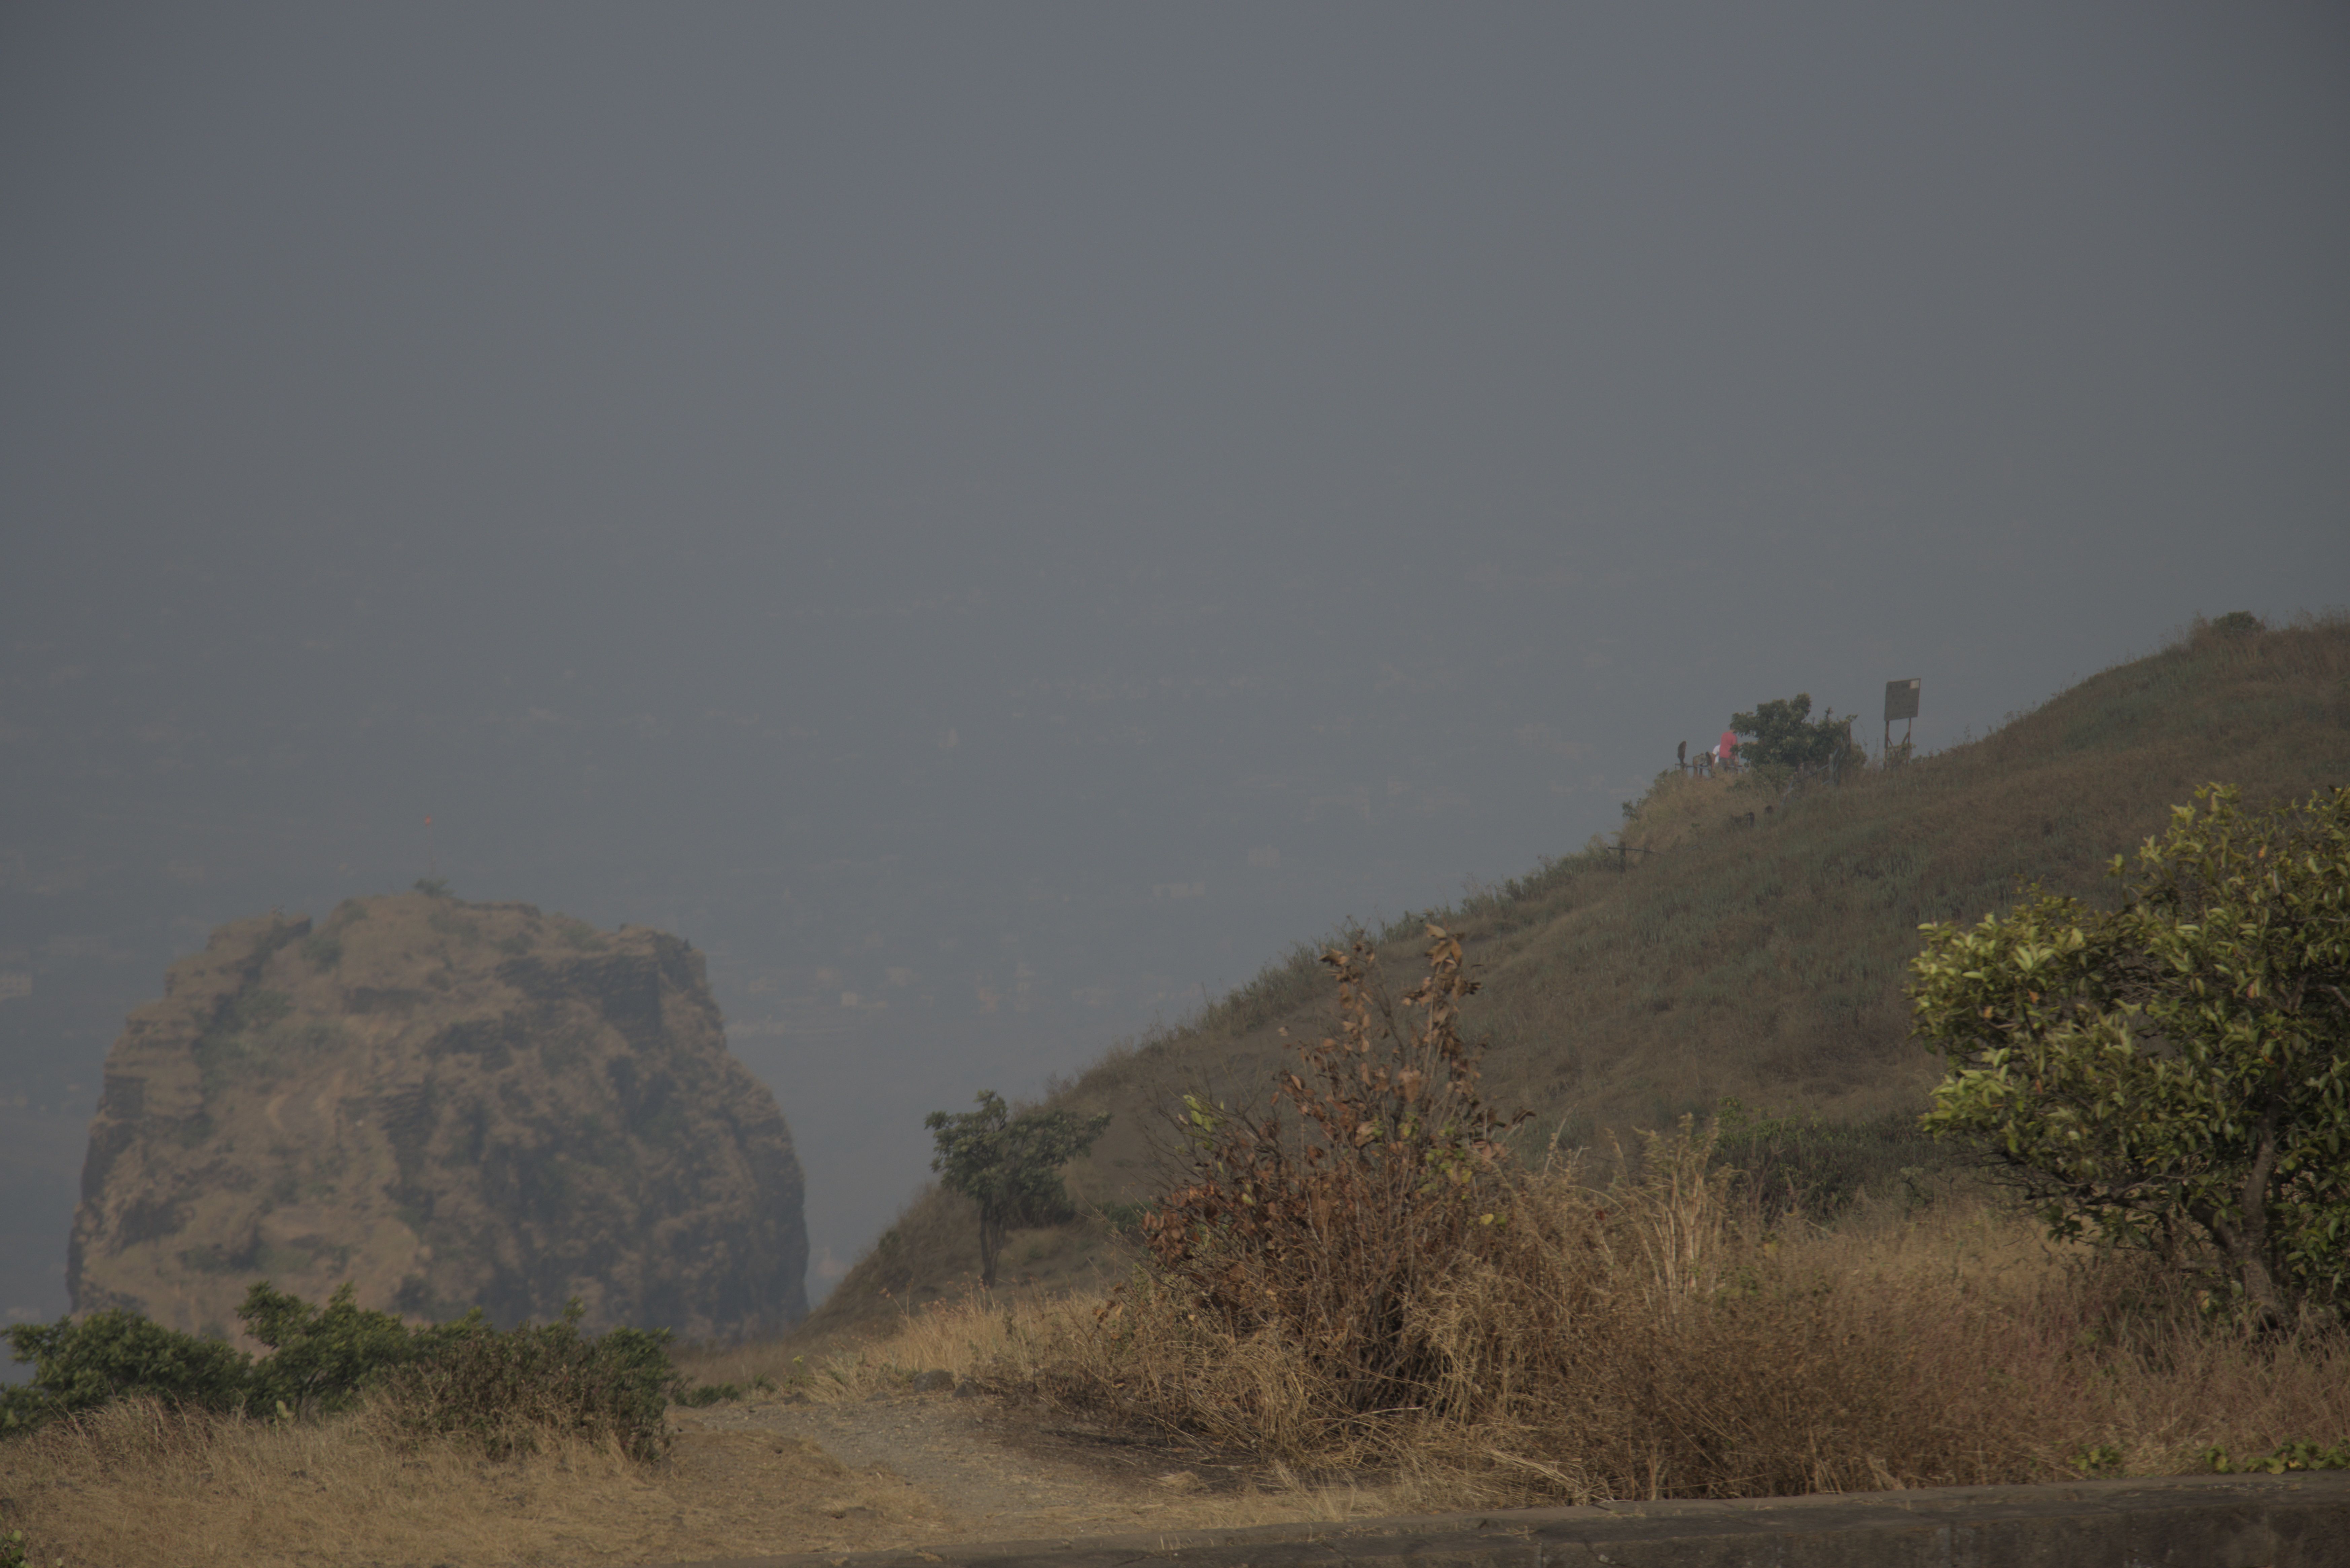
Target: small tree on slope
1009,1166
1783,733
2174,1074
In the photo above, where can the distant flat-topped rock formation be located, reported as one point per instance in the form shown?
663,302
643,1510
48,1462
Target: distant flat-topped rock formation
450,1104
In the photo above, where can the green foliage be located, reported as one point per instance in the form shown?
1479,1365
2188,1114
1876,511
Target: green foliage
323,949
2099,1459
708,1394
1009,1166
499,1390
12,1550
2174,1074
496,1388
2299,1455
114,1355
434,887
1784,734
320,1358
1818,1166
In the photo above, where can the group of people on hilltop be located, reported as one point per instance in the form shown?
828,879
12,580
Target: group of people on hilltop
1723,756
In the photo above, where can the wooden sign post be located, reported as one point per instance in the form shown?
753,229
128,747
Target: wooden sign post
1900,702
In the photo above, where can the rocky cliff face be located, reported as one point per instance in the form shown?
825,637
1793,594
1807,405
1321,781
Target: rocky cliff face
450,1104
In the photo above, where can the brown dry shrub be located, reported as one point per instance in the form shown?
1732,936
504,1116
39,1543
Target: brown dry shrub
1377,1174
1635,1340
1647,1339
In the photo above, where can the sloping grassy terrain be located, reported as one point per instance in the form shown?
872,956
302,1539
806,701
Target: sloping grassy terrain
1760,957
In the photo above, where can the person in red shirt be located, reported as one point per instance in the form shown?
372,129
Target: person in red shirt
1727,751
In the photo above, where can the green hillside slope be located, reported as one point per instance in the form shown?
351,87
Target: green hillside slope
1759,959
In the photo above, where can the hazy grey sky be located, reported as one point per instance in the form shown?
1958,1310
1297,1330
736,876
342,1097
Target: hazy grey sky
994,520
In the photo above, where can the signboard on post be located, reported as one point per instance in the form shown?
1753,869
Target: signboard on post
1900,702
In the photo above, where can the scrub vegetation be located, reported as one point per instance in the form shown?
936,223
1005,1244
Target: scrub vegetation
1625,1193
1008,1166
1799,1288
499,1390
1752,963
2173,1076
1382,1287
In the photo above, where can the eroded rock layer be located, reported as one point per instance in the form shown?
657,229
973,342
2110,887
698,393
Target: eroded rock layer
450,1105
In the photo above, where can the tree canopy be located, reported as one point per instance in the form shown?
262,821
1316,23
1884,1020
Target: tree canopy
2174,1074
1785,733
1009,1165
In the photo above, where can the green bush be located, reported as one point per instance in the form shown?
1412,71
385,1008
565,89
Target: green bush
115,1354
320,1359
467,1380
1818,1168
500,1389
2170,1076
2300,1456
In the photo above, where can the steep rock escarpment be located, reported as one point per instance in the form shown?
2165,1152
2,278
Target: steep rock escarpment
450,1104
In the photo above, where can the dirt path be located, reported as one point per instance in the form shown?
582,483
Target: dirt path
977,1470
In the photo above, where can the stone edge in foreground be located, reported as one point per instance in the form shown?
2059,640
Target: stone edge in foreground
2190,1521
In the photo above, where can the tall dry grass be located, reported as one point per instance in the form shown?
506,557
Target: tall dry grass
970,1337
1650,1337
137,1484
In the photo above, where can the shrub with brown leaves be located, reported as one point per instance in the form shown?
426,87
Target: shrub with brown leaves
1329,1224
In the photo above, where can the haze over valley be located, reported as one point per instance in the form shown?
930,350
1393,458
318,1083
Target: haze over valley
993,524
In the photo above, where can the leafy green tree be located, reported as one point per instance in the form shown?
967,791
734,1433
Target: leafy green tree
2174,1074
1009,1166
1785,734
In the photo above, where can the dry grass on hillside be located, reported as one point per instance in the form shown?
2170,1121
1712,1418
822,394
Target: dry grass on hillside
931,1254
1760,962
972,1337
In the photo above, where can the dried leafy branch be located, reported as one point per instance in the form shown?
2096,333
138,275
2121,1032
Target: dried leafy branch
1376,1174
